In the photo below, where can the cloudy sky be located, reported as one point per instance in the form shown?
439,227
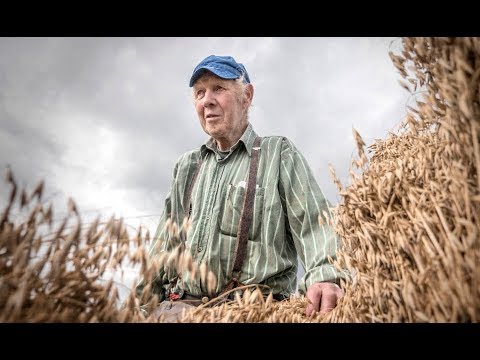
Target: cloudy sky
103,120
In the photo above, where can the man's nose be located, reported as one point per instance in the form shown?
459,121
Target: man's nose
209,98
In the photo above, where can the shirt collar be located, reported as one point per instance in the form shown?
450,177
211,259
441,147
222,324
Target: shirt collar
247,139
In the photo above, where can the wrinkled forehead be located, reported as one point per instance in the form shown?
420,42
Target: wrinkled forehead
209,78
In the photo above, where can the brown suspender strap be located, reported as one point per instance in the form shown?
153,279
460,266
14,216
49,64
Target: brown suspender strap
246,215
189,192
245,218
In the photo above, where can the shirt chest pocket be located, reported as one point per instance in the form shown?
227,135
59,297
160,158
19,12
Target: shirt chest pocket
232,211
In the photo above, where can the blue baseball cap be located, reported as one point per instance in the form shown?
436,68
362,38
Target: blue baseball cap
223,66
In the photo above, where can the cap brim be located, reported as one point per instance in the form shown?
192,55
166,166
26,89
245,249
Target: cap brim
221,73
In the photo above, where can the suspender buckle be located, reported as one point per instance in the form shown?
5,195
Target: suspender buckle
236,276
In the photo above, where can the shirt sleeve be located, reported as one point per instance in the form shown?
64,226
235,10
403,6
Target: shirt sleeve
161,243
303,203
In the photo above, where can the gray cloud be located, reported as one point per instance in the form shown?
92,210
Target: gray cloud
104,119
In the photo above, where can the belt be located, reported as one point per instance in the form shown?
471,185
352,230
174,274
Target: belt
190,299
197,300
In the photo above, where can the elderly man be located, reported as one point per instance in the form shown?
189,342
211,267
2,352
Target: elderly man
253,203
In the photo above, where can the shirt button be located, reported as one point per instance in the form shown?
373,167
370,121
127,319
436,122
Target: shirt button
208,218
199,249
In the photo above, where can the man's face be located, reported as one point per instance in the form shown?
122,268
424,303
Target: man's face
220,107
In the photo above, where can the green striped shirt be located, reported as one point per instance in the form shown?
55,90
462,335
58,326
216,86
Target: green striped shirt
285,222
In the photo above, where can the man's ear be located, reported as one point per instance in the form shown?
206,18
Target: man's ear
249,93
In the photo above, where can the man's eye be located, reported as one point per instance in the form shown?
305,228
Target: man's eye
218,88
200,93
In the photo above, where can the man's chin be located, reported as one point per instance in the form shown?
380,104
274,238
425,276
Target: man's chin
215,133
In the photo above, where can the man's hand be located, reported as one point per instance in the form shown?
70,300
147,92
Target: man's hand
323,297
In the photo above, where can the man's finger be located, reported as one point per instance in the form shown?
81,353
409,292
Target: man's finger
328,302
314,300
310,309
